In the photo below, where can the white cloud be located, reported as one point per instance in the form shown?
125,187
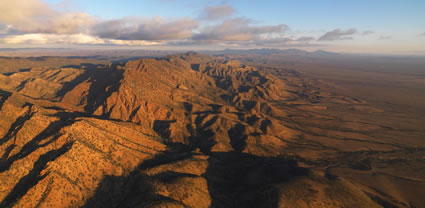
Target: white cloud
36,22
37,38
36,16
155,29
132,42
78,39
236,29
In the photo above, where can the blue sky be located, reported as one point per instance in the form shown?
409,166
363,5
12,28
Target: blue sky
363,26
303,14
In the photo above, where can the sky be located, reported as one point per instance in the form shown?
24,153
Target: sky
357,26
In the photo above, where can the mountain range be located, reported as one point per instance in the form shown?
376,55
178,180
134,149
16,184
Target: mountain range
196,130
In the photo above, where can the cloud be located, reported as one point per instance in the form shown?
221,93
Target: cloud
132,42
35,16
385,37
338,34
76,39
4,29
282,42
36,22
275,41
236,29
38,38
155,29
258,41
422,34
305,39
242,32
367,32
217,12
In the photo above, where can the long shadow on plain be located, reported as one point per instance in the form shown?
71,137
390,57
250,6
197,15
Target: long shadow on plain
244,180
234,180
136,188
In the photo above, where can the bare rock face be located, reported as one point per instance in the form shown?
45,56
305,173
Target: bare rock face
182,131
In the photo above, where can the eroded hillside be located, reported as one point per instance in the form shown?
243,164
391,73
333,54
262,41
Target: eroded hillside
191,130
